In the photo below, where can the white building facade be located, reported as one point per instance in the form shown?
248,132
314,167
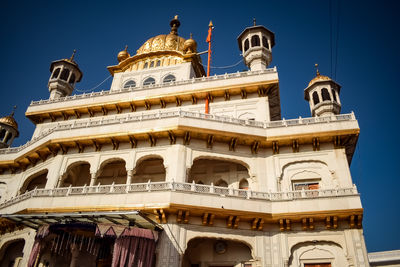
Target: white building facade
142,161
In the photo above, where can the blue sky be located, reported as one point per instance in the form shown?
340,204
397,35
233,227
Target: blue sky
34,33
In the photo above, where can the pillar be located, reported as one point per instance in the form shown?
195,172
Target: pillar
92,179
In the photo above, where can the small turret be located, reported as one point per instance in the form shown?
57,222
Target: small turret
65,73
8,130
322,94
256,44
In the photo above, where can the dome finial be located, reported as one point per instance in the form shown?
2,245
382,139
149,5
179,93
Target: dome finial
316,67
12,113
254,21
126,47
174,23
73,55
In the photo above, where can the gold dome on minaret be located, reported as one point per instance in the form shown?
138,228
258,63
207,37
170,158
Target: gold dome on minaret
165,42
9,120
319,77
123,54
190,45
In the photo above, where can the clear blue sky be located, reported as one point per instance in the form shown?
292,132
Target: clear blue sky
34,33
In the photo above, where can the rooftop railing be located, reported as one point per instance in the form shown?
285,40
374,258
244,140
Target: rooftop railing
181,187
161,85
143,116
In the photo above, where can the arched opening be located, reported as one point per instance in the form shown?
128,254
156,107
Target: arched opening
129,84
2,134
255,41
315,98
77,175
112,172
72,79
325,94
246,45
169,78
145,65
244,184
149,81
38,180
152,64
12,252
265,42
216,252
56,73
219,172
158,63
334,94
151,168
64,74
8,138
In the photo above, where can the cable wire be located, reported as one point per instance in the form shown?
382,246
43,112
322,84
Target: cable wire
92,89
224,67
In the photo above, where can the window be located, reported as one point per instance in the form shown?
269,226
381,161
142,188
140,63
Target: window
129,84
255,40
244,184
246,45
265,42
149,81
306,186
56,73
334,95
64,74
152,64
325,94
72,79
145,65
315,98
2,134
158,63
169,78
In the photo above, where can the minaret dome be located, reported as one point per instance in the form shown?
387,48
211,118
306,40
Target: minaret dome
8,130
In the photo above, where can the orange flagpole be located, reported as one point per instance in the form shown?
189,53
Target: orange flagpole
210,27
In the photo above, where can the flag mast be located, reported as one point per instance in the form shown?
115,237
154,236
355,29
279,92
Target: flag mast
210,28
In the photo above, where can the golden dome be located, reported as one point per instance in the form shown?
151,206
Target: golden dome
319,77
190,45
10,121
123,54
164,42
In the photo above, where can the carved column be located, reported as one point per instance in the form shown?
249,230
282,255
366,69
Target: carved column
92,179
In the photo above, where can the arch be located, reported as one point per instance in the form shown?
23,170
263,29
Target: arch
219,171
317,251
213,251
64,74
11,252
244,184
77,174
325,94
130,84
255,40
265,42
36,180
112,171
145,65
149,81
56,73
169,78
315,98
152,64
72,78
246,45
158,64
334,94
2,134
150,167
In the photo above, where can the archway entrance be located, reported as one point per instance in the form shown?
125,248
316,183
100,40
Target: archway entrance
11,253
213,252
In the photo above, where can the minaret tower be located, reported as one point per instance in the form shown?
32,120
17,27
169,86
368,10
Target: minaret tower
322,94
8,130
64,74
256,44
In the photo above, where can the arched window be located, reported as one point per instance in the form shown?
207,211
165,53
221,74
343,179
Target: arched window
64,74
152,64
72,79
129,84
246,45
149,81
221,183
7,138
325,94
244,184
2,134
169,78
145,65
315,98
334,94
55,73
158,63
255,40
265,42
